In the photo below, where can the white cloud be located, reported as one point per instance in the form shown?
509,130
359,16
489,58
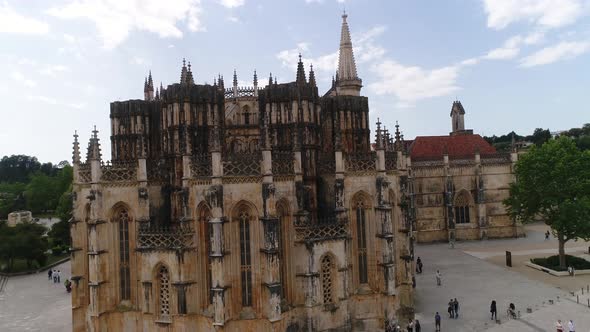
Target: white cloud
410,84
52,70
115,20
469,62
19,77
512,46
231,3
69,38
233,19
13,22
27,62
137,60
503,53
42,99
546,13
558,52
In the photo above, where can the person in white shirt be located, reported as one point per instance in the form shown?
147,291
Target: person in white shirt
570,326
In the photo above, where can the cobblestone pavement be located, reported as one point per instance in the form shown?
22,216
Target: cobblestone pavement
33,303
474,273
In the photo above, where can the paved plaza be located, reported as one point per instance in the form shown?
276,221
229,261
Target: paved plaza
33,303
475,274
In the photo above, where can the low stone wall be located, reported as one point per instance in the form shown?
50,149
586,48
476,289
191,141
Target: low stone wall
553,272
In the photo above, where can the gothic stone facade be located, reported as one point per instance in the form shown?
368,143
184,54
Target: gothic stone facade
460,182
243,209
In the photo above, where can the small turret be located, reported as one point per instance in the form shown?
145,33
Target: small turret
93,147
183,73
255,84
300,72
235,86
190,78
458,119
76,155
312,81
149,88
270,80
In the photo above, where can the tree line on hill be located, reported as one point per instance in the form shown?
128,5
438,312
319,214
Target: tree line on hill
580,136
42,188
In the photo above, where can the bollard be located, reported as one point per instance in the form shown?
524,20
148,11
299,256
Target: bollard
582,290
508,259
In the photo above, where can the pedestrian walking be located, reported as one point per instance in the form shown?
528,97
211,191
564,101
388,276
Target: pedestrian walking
49,273
419,265
417,326
494,310
58,276
438,278
570,326
558,326
437,322
410,327
456,308
54,274
547,235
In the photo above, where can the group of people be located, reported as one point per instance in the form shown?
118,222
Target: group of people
55,275
453,308
413,326
511,311
570,326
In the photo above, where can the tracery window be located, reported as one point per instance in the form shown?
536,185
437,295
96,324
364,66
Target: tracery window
124,273
245,259
361,224
164,292
283,220
462,208
327,279
205,215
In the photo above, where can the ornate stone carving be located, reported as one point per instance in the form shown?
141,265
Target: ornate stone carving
142,193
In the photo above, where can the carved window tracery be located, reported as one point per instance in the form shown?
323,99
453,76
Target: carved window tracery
462,208
327,279
245,259
164,292
124,271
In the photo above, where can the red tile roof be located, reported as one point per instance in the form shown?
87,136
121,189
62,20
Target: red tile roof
433,147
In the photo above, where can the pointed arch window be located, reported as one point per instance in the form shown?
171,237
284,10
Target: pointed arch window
361,225
462,208
124,270
327,279
163,292
245,259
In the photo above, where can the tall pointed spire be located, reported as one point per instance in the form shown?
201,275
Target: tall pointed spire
300,72
347,80
270,80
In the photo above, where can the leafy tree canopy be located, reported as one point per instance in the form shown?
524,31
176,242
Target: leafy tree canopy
553,182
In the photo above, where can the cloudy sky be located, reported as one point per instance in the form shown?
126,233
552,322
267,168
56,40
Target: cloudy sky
514,64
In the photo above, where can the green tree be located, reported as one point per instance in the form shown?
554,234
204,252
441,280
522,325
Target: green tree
60,231
24,241
553,182
540,136
17,168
